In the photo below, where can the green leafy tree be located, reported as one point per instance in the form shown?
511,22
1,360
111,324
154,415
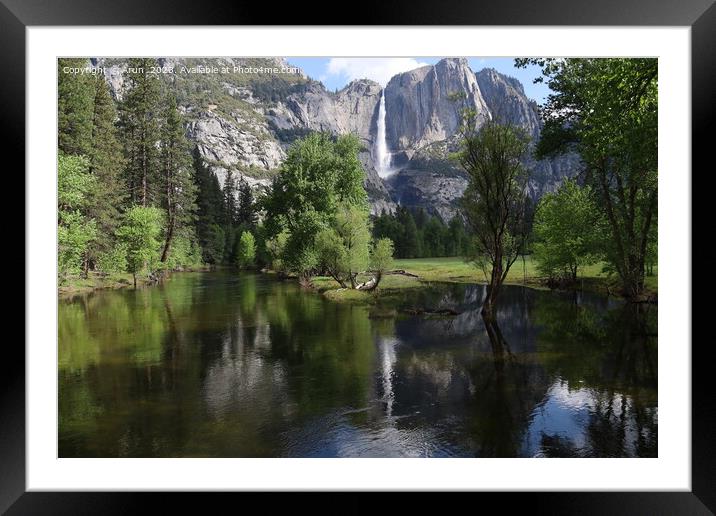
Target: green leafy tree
276,247
343,248
494,202
247,250
381,259
75,230
607,110
319,175
566,230
140,233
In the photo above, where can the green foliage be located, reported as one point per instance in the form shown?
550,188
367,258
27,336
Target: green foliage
421,235
140,232
210,211
607,110
177,187
106,165
113,259
74,182
494,203
567,231
186,253
319,175
343,248
140,119
247,250
75,230
381,256
74,106
74,233
246,210
276,248
214,245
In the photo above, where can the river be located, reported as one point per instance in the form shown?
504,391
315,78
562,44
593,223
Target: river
222,364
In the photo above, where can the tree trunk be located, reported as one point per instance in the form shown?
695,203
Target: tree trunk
85,266
134,276
168,242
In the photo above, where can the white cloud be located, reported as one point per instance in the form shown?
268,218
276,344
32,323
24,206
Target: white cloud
379,69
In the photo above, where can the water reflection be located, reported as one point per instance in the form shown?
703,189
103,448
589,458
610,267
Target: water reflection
219,364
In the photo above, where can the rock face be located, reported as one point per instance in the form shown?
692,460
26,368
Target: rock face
424,106
245,124
506,99
507,102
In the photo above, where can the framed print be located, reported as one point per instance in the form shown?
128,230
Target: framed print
416,254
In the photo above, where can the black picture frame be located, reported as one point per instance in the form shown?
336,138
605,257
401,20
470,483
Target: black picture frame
700,15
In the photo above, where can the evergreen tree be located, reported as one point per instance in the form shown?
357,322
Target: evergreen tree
178,188
210,210
140,113
247,215
230,194
410,239
76,93
106,162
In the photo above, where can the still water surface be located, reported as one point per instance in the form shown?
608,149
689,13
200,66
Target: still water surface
227,365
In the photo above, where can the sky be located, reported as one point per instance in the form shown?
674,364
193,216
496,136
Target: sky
336,72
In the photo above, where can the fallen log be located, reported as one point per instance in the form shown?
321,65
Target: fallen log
402,272
436,311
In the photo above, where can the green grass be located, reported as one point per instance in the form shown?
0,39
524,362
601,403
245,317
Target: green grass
73,285
455,270
94,281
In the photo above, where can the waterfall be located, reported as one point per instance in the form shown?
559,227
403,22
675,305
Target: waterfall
382,156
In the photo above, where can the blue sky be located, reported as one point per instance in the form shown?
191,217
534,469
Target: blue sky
335,73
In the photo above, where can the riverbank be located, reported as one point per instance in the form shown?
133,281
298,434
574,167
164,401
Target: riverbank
455,270
74,285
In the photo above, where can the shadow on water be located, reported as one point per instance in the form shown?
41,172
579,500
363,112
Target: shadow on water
220,364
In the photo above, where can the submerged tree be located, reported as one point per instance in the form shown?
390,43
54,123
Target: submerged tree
494,203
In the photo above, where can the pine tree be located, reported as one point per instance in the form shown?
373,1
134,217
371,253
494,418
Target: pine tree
230,191
247,210
74,107
210,209
105,164
140,121
178,191
410,238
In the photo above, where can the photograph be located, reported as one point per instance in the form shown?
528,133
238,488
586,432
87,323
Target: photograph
348,257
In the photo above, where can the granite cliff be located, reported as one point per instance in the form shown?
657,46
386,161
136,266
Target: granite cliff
244,123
